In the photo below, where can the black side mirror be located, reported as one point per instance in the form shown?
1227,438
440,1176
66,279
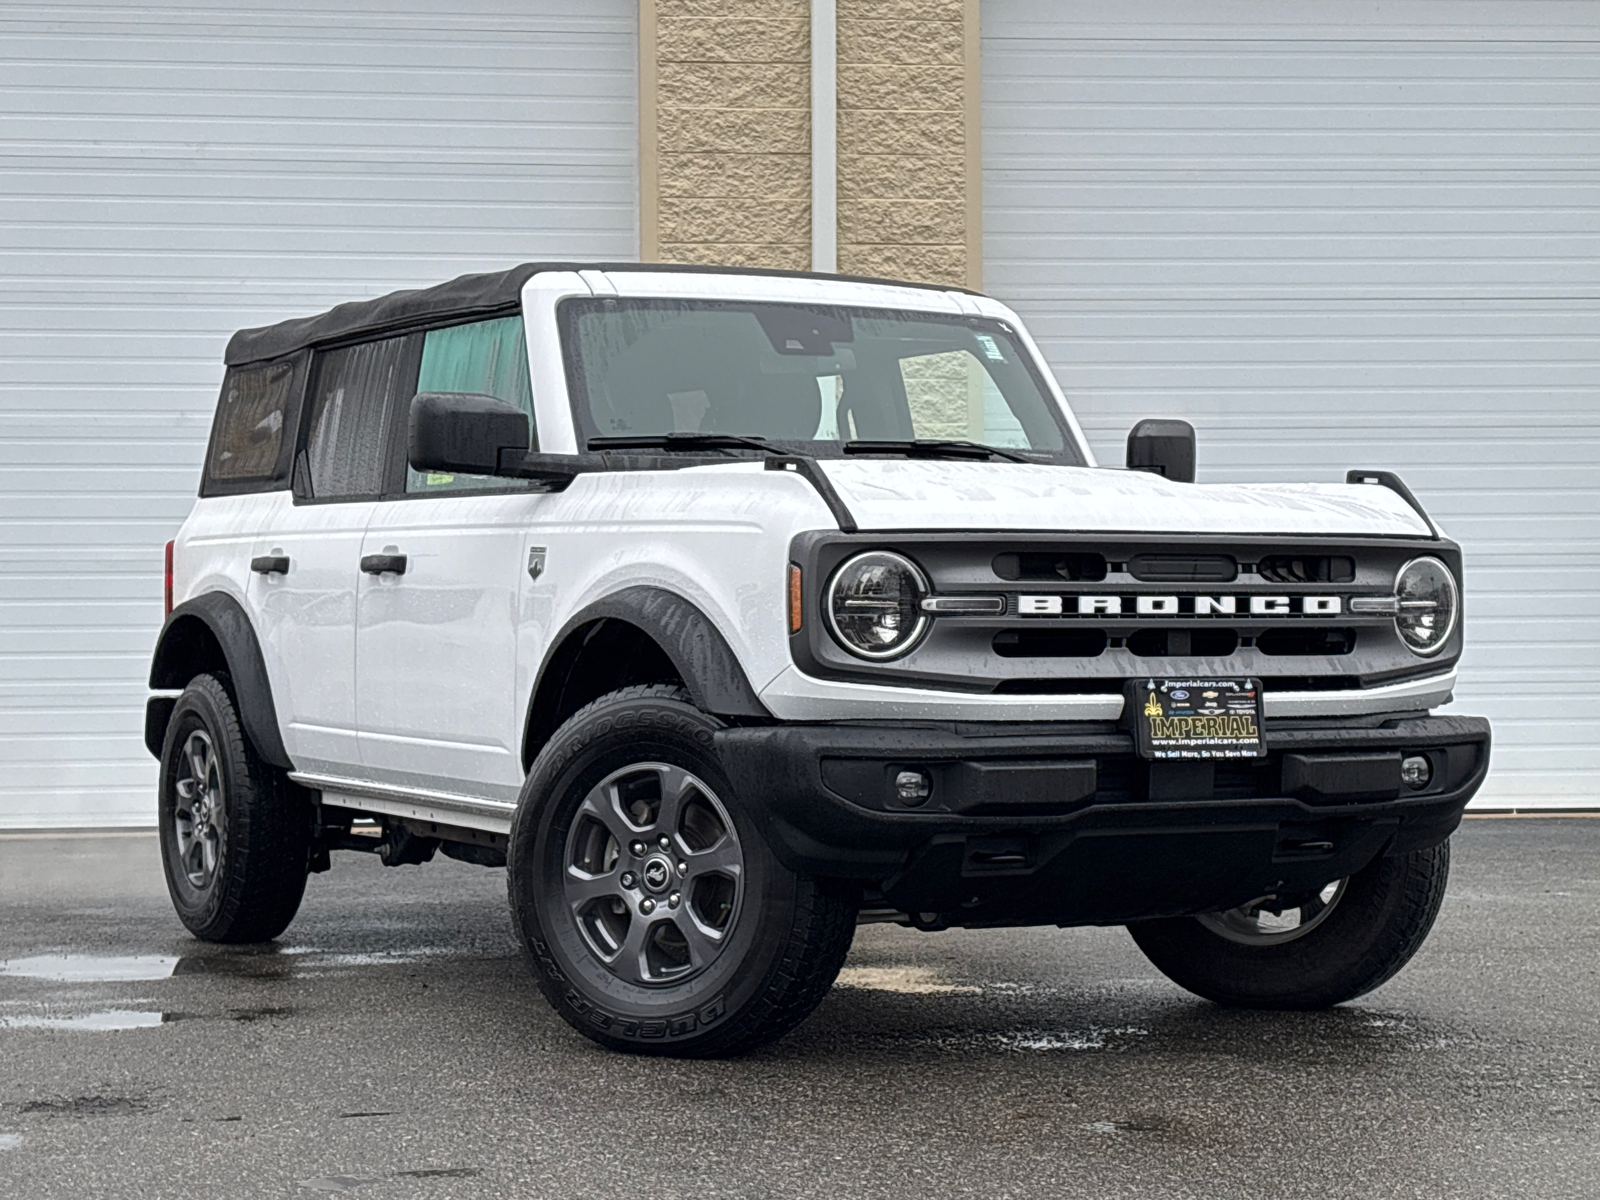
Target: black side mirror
464,432
1163,447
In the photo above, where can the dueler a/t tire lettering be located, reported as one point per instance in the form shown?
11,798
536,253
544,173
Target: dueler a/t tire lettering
783,947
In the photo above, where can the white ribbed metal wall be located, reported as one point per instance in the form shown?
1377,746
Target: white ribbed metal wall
169,173
1338,235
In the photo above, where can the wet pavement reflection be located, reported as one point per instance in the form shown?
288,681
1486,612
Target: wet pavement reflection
394,1045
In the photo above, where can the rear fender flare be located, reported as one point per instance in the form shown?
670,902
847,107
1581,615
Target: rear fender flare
185,649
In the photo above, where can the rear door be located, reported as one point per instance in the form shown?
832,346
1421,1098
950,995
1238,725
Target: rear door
436,641
305,605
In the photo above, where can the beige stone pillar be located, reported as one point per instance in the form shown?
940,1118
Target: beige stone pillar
724,125
725,129
910,197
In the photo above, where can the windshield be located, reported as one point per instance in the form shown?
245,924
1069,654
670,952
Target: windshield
805,377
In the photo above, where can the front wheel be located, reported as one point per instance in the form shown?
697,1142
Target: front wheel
1309,951
654,915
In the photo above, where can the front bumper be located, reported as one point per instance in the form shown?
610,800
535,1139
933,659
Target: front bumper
1041,824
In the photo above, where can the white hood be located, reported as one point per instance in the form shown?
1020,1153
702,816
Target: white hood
927,494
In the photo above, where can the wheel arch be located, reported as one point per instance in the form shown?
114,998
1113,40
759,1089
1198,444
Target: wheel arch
636,632
209,633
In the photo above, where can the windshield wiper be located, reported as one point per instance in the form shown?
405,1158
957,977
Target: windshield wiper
682,441
934,448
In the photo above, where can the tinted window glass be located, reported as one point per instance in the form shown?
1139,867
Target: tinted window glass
815,375
487,357
357,393
257,405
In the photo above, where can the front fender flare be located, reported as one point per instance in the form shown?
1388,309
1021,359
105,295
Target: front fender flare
181,653
701,655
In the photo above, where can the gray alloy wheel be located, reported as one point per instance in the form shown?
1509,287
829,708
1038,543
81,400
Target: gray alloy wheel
1259,924
655,914
199,813
654,873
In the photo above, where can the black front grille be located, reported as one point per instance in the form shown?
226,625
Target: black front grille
1052,566
1306,641
1184,568
1183,643
1050,643
1307,568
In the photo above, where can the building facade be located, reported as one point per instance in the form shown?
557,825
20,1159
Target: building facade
1329,236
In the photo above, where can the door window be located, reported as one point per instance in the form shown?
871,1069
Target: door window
359,389
487,357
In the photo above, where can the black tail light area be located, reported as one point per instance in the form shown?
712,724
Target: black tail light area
1049,643
1307,568
1306,641
166,591
1051,565
1183,643
1184,568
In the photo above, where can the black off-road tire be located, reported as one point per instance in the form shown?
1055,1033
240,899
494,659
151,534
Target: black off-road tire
1378,923
261,844
784,947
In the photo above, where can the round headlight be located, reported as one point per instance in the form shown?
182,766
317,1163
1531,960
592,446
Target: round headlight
1429,605
874,604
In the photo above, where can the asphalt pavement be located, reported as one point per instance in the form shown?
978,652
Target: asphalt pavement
392,1045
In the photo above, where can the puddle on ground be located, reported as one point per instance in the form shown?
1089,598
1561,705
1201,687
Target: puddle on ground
88,1106
90,968
349,1183
250,965
1035,1041
264,1013
108,1020
322,960
1120,1127
908,981
337,1183
10,1141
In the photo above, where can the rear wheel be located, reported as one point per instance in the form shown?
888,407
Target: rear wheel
235,837
1308,951
654,915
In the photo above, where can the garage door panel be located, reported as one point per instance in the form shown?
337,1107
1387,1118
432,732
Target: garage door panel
1337,236
173,174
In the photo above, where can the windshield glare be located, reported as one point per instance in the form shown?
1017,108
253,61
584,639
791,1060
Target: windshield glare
806,376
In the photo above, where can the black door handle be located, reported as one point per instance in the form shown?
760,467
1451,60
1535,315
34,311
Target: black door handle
270,564
383,564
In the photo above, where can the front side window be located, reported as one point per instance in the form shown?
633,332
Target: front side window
487,357
247,445
814,377
356,394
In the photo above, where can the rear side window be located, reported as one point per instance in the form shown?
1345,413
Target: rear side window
354,399
254,429
488,357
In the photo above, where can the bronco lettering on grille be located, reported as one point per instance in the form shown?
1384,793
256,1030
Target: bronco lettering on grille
1179,606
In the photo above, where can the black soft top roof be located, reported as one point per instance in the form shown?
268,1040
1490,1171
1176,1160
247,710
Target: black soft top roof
465,296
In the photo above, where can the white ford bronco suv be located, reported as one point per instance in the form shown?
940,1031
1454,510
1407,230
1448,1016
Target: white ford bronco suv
727,609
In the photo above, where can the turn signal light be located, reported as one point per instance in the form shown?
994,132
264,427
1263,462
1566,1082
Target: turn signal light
795,614
167,590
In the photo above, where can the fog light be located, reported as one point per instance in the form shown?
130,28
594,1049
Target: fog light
913,787
1415,771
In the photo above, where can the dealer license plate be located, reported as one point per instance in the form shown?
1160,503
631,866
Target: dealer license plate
1197,718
